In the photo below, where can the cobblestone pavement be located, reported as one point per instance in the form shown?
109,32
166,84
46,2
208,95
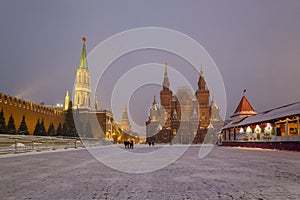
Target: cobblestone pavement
226,173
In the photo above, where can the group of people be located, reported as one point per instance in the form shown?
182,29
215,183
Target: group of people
128,144
151,143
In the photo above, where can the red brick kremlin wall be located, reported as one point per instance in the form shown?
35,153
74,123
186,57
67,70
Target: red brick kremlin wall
33,112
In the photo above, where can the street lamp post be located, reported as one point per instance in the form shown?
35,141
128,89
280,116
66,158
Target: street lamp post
195,133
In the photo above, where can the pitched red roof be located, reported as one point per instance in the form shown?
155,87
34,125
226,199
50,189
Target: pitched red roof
244,107
283,112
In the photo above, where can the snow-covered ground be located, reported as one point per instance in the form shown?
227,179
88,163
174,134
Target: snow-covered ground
226,173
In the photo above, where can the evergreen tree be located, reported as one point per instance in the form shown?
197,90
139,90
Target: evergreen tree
11,128
69,121
3,127
42,130
37,128
51,130
65,130
79,126
59,130
23,130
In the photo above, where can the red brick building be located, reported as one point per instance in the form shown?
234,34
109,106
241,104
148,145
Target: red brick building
182,117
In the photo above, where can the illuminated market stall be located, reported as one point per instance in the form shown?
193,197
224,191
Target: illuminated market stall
279,124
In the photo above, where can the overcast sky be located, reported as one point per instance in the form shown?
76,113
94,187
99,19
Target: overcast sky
255,44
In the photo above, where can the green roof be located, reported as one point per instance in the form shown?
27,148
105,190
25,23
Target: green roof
83,61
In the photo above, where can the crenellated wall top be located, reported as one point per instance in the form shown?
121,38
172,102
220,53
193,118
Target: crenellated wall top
14,101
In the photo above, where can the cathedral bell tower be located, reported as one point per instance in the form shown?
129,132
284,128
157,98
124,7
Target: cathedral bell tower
202,95
82,94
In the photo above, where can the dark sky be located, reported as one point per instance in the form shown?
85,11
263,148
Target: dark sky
255,44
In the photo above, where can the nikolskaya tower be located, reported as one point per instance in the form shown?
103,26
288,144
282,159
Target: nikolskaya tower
82,90
91,121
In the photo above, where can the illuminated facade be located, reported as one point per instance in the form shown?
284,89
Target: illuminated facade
276,125
90,123
183,117
32,112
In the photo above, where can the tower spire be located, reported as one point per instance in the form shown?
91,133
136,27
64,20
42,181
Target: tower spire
201,81
213,101
83,61
82,93
67,100
154,100
125,124
202,94
166,82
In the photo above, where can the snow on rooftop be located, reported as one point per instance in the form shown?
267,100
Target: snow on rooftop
273,114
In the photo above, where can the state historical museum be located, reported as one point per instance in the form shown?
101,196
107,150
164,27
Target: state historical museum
182,118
